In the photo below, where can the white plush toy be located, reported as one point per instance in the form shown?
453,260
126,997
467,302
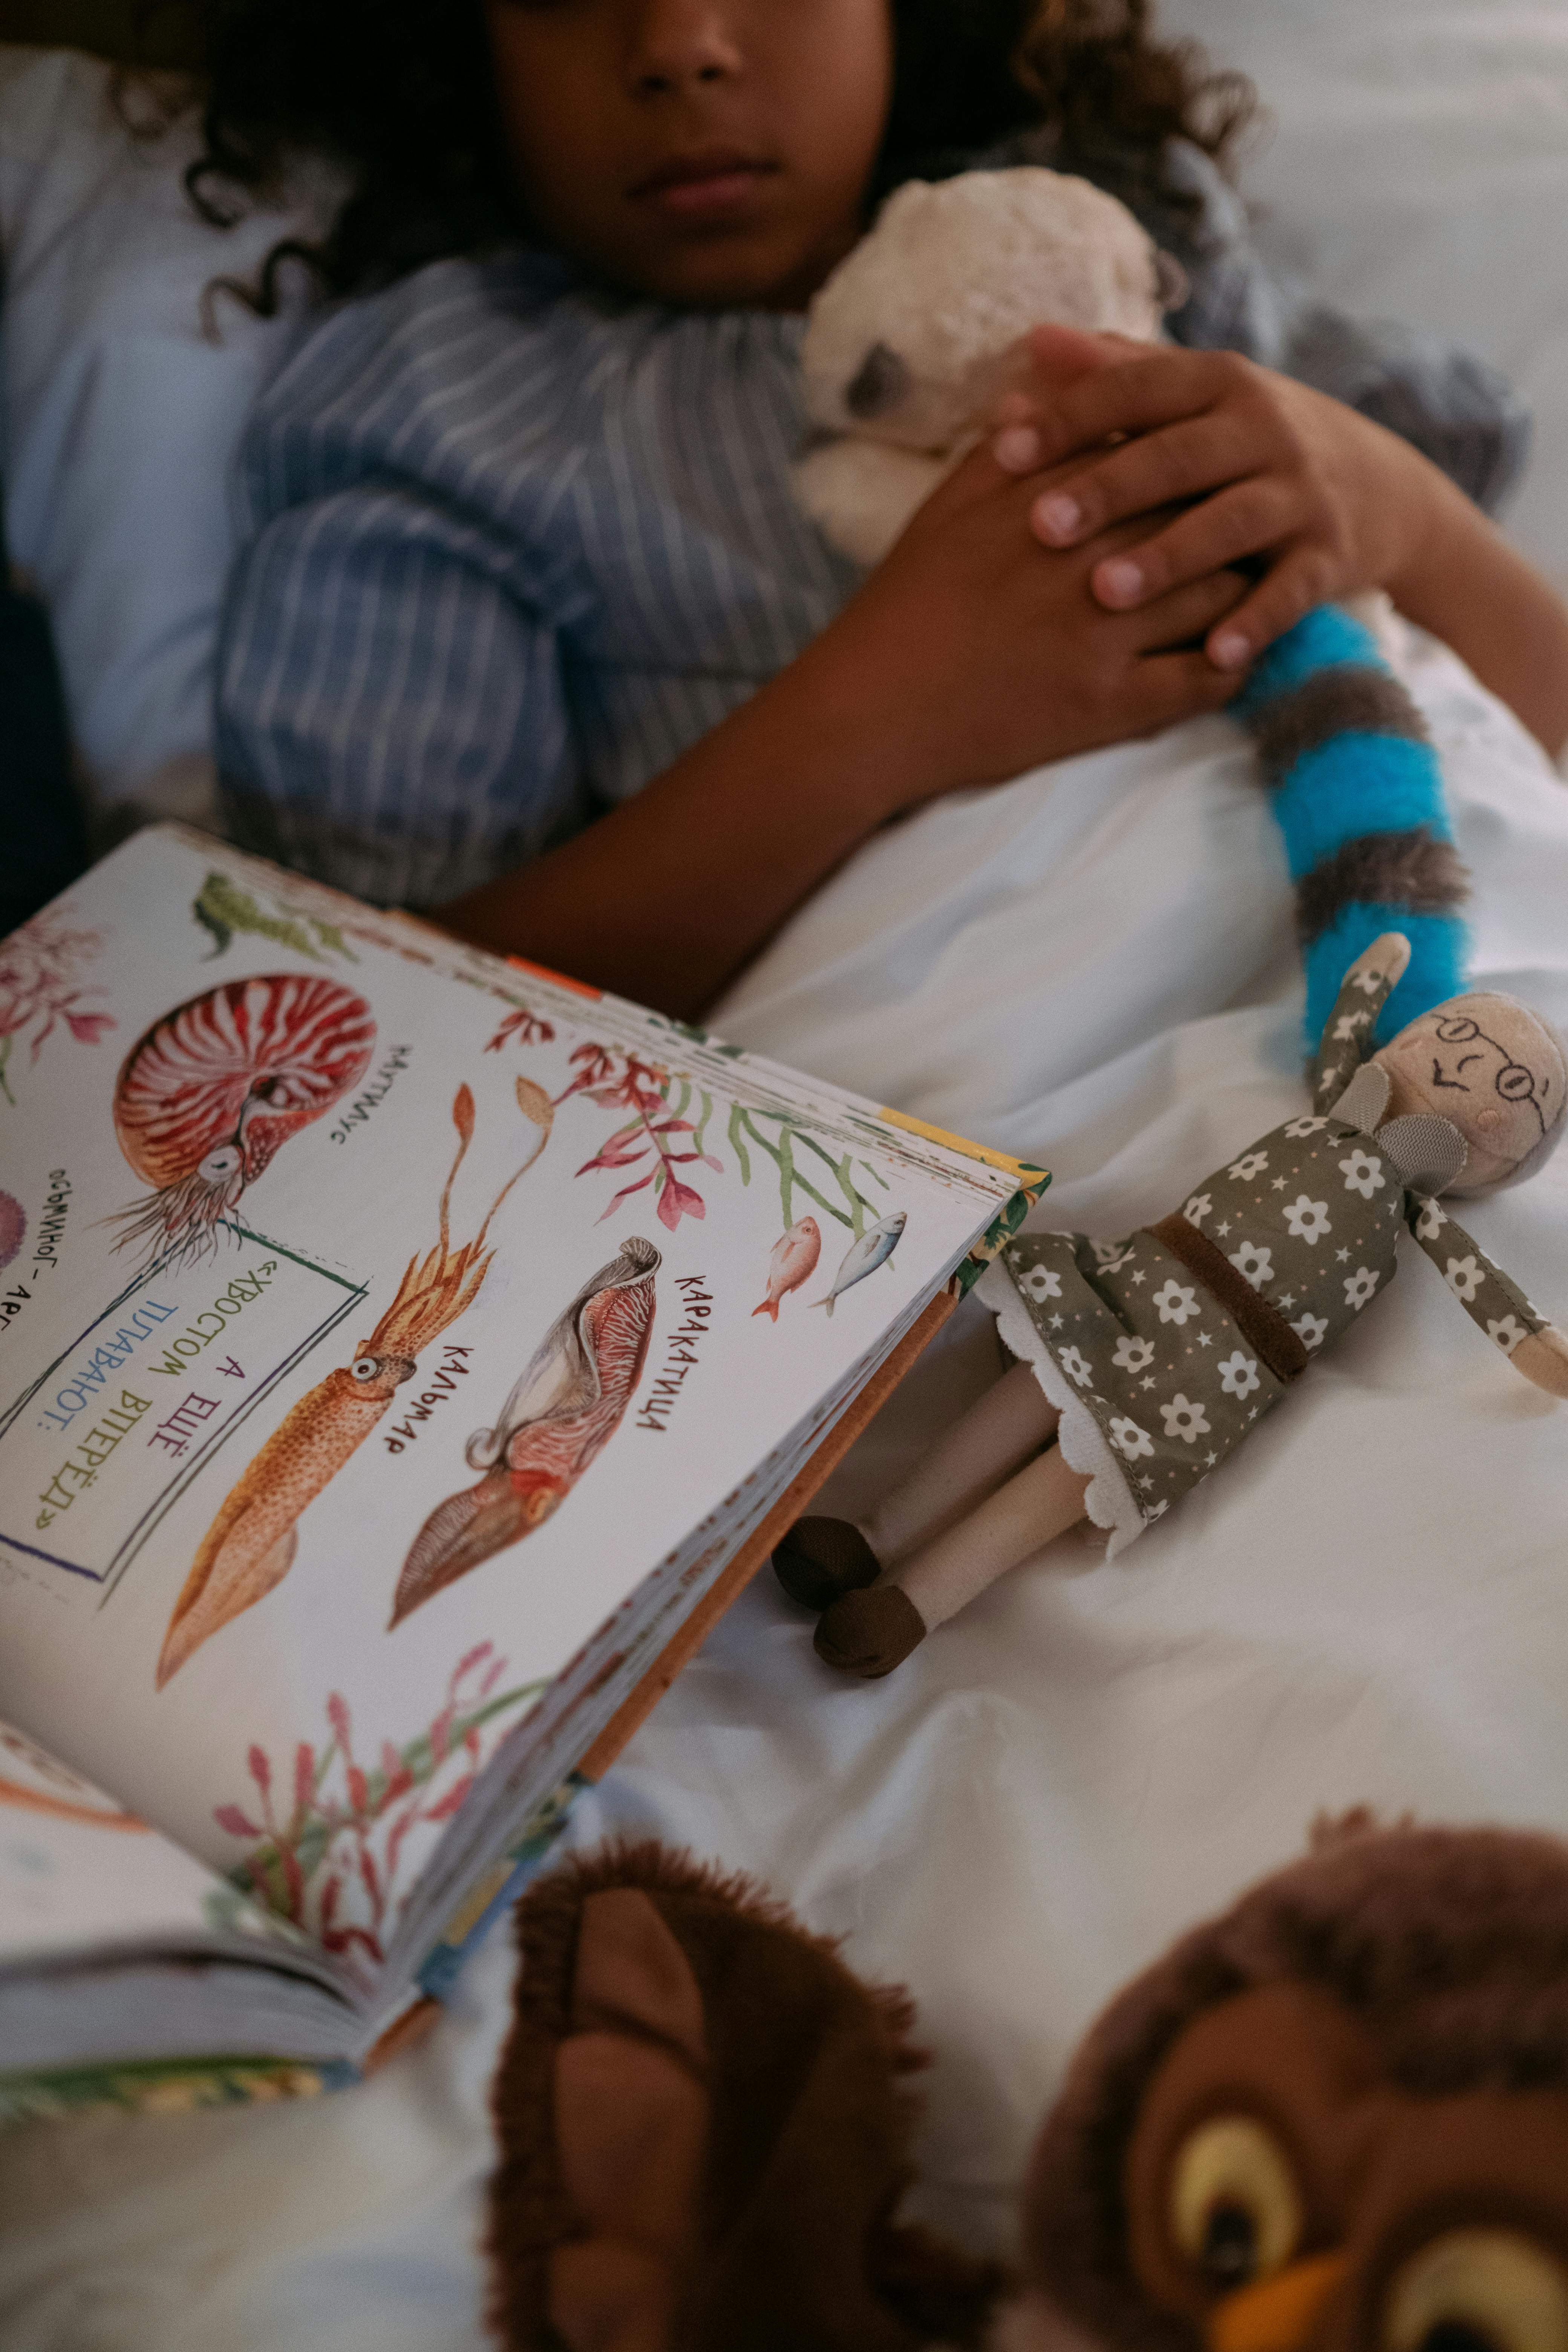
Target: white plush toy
908,345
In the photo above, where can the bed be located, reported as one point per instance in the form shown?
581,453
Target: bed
1370,1606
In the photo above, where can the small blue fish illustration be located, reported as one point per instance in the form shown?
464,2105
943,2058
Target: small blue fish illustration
874,1248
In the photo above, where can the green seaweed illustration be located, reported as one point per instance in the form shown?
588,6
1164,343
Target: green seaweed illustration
223,909
791,1134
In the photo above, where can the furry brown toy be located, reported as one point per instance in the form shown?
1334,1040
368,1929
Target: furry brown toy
705,2130
1334,2119
1144,1362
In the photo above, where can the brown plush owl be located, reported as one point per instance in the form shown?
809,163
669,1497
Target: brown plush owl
1333,2120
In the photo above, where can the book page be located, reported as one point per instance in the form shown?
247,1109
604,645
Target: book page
79,1876
374,1319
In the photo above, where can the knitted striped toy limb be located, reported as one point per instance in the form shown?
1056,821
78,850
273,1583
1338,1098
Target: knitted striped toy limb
1358,792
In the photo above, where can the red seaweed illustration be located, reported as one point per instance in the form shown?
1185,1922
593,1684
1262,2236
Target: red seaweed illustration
40,966
652,1133
326,1854
525,1026
560,1416
206,1098
250,1545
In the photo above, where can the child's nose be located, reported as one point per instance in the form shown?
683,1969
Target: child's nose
679,42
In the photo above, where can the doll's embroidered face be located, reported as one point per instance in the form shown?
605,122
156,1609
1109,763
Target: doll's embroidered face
1284,2196
1489,1065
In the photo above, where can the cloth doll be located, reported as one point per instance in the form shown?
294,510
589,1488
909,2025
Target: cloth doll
1149,1358
1334,2120
907,349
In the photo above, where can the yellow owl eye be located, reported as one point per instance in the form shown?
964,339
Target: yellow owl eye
1477,2290
1235,2207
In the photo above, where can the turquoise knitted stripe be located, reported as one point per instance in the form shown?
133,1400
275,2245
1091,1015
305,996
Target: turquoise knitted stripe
1355,784
1322,640
1438,947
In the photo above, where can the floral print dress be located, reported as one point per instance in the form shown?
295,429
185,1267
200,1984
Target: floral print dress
1156,1377
1163,1350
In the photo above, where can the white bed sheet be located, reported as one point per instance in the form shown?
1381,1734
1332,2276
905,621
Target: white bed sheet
1371,1604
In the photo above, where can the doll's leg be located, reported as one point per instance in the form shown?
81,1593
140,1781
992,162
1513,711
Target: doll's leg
821,1558
998,1434
870,1632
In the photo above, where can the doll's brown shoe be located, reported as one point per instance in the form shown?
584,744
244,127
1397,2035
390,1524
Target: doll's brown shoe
870,1634
822,1559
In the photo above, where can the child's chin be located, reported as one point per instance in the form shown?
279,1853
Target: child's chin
734,268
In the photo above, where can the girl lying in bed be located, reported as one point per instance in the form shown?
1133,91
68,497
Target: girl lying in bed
531,629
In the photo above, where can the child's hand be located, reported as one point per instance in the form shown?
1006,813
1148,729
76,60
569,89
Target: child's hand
1323,501
981,659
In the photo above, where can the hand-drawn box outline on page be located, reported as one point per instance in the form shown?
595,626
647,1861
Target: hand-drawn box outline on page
164,1501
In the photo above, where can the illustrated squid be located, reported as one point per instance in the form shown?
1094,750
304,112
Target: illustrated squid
560,1416
204,1102
250,1545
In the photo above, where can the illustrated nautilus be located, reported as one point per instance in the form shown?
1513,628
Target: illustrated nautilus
206,1098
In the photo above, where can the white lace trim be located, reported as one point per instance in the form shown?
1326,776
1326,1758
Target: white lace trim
1110,1501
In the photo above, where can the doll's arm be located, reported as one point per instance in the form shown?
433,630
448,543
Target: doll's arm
1347,1033
1492,1301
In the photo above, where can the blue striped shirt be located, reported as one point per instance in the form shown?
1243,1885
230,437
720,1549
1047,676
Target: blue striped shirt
515,543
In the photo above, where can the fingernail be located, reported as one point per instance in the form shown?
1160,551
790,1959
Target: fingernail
1017,449
1058,515
1120,583
1229,651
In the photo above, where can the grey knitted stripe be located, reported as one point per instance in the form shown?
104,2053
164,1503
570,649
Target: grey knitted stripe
1413,870
1348,699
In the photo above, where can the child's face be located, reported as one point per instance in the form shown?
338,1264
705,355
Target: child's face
713,152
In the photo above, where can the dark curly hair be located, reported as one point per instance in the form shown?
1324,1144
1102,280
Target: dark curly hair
400,93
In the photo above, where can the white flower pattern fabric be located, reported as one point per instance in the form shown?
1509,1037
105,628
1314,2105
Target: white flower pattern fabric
1464,1277
1362,1173
1307,1219
1253,1264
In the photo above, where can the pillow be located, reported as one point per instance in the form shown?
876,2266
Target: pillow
119,418
1418,169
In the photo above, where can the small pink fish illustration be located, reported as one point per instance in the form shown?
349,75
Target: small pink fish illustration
791,1260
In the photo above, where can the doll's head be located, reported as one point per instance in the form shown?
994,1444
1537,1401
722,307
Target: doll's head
1493,1070
905,340
1333,2120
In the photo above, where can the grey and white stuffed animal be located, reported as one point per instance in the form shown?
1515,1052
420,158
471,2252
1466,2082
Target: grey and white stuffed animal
910,342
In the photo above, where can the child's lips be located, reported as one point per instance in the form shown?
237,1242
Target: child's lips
714,181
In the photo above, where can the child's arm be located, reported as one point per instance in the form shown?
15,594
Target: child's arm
1333,502
963,660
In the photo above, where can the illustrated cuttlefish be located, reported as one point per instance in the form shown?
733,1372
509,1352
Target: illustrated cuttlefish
562,1413
250,1545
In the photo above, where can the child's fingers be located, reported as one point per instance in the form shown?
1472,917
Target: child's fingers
1301,579
1135,397
1189,460
1246,519
1165,688
1187,617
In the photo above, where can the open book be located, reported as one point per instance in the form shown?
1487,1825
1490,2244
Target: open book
404,1355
